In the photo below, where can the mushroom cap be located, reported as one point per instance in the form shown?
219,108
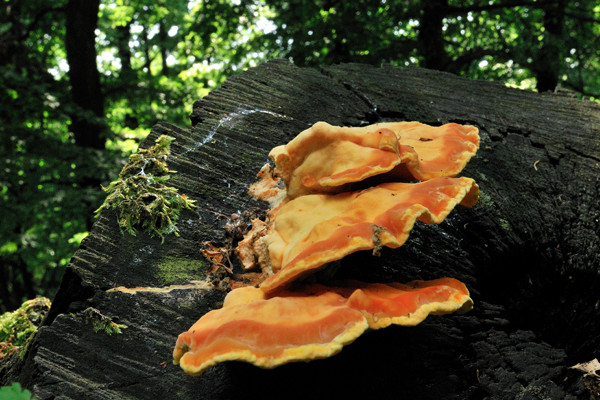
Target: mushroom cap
310,322
328,159
436,150
408,304
313,230
323,158
270,332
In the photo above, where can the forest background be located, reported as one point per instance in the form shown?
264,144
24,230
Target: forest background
83,81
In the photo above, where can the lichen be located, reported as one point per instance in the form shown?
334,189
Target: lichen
17,327
172,270
485,200
101,322
504,224
141,196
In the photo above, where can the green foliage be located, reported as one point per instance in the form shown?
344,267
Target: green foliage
14,392
326,32
157,59
506,41
141,196
48,186
48,191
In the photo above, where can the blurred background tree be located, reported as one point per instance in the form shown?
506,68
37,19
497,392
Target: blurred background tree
83,81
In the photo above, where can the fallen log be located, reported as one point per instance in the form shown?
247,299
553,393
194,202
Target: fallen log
529,251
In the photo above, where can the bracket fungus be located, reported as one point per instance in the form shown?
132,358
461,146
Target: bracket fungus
328,159
333,191
308,323
313,230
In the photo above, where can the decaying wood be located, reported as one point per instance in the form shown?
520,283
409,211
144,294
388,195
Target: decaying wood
529,251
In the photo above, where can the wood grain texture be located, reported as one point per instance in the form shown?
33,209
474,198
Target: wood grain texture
529,251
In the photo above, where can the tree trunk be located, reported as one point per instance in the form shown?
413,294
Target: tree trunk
548,62
147,58
163,37
124,51
7,302
14,272
431,39
529,251
87,122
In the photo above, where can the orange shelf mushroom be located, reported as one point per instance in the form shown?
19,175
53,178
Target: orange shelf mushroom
328,159
408,304
436,151
268,333
313,230
323,158
317,218
312,322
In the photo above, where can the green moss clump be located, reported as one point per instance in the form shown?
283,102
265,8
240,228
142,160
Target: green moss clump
17,327
174,270
101,322
141,196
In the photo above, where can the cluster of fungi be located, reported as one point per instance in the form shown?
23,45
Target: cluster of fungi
334,191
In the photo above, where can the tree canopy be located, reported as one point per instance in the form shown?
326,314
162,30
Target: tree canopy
82,82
